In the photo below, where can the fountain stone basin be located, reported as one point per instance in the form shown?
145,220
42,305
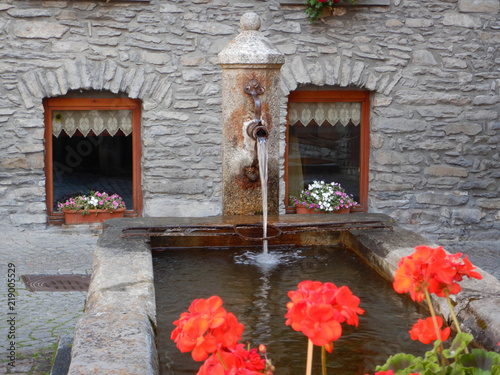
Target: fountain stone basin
116,334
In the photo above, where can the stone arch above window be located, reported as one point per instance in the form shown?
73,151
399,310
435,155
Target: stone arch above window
84,74
337,71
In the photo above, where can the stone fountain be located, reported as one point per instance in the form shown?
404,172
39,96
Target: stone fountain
249,62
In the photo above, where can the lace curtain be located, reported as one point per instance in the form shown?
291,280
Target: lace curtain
333,113
93,120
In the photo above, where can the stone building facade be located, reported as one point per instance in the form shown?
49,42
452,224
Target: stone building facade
431,68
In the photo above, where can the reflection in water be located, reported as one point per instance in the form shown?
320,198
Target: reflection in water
254,287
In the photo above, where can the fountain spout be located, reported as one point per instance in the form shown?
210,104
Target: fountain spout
256,129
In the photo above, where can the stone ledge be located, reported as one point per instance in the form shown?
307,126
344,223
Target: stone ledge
116,335
111,289
114,343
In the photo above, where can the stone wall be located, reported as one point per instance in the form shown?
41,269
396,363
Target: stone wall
431,65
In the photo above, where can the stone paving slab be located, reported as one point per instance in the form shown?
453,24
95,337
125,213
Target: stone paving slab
41,317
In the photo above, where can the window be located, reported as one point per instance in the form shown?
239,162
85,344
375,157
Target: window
328,140
92,144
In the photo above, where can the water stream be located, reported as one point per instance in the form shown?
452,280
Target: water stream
262,156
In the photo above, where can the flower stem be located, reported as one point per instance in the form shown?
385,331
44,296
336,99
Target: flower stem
436,327
323,360
454,317
221,360
452,312
433,313
310,347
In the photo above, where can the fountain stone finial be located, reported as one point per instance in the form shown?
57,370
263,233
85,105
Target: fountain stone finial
250,21
250,46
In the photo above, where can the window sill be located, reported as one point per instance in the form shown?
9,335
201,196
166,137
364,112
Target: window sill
359,3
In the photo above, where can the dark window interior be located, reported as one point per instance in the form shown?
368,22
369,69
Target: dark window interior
101,162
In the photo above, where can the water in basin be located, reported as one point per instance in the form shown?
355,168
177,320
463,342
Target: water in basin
254,287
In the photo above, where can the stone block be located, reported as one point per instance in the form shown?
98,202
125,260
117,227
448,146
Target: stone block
461,20
192,76
187,187
442,199
479,6
467,216
419,22
424,57
28,13
397,125
470,129
14,163
445,171
489,204
168,207
386,157
210,28
477,115
452,63
39,29
299,70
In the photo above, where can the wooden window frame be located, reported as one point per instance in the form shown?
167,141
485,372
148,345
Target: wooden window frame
362,97
58,104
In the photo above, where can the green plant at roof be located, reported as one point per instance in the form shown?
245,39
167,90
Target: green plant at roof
315,8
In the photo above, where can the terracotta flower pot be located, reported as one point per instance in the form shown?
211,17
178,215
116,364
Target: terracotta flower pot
304,210
301,209
93,216
344,210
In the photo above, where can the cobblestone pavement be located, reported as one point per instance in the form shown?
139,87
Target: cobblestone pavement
40,317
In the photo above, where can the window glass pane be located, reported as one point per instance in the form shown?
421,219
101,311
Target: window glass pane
324,144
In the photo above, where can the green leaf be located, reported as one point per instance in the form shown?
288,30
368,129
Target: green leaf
458,345
480,361
398,362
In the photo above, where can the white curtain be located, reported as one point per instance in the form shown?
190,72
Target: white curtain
333,113
93,120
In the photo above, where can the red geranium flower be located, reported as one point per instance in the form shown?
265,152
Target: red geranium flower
424,331
320,326
317,309
205,328
433,270
229,333
238,361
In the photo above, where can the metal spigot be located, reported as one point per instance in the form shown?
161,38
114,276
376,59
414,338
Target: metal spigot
256,129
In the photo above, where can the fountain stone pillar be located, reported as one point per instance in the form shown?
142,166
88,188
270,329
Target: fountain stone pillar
250,56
